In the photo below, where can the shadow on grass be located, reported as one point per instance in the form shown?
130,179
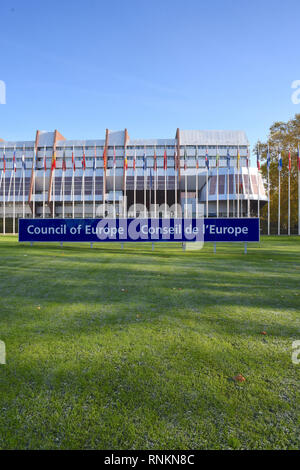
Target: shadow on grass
117,396
84,372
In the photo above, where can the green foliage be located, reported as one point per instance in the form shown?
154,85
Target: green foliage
128,349
284,136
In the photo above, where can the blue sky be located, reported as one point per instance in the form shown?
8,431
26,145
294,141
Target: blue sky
150,66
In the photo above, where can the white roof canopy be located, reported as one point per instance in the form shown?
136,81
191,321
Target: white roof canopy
213,138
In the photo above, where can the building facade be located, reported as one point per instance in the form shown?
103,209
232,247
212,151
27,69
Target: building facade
204,172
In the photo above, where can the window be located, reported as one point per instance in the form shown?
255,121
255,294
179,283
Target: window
261,187
246,184
213,185
239,184
221,184
254,183
230,184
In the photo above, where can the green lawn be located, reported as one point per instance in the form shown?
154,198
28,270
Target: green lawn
134,349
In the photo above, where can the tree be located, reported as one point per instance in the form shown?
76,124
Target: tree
283,137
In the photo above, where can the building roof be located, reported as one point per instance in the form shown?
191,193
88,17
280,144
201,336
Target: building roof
116,138
79,143
46,139
158,142
213,138
187,137
18,144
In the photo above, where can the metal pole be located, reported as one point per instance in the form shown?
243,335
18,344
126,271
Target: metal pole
23,198
249,189
4,215
227,192
104,180
53,193
207,192
44,185
217,189
94,191
125,194
145,167
165,192
278,202
14,203
134,186
114,185
23,172
197,191
258,189
63,193
33,204
268,201
298,198
289,203
73,188
155,184
238,198
176,175
185,192
150,193
34,168
175,181
83,194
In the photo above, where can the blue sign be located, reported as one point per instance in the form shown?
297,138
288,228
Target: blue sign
139,230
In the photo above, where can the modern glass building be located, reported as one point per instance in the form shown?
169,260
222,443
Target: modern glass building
208,170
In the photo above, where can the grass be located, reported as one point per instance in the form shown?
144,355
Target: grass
134,349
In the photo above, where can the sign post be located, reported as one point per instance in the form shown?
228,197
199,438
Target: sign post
140,230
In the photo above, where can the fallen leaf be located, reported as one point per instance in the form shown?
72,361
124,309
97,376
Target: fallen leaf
239,378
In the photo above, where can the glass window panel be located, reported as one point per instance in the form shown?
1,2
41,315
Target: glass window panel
213,185
254,183
221,184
